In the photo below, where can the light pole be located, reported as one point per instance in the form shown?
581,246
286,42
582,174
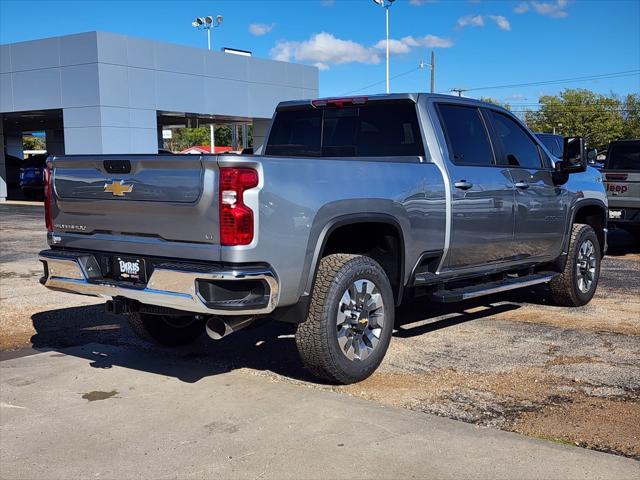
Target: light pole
554,128
386,4
205,23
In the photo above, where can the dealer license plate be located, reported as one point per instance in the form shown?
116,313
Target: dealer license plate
129,269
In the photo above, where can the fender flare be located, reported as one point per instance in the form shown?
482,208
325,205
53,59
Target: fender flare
350,219
592,202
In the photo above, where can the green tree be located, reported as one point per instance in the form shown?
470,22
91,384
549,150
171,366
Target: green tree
579,112
183,138
631,115
223,135
29,142
495,102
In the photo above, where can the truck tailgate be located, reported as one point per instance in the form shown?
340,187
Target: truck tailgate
152,198
623,188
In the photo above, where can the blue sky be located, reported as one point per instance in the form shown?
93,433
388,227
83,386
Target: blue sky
478,43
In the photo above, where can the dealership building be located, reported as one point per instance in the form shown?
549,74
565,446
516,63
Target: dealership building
96,92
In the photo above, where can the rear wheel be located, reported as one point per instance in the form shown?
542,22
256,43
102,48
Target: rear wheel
167,330
577,284
350,320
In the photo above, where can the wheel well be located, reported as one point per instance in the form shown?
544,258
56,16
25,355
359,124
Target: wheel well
595,216
378,240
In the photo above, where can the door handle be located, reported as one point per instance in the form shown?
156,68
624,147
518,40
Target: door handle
463,185
522,185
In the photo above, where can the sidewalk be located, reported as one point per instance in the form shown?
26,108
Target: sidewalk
108,412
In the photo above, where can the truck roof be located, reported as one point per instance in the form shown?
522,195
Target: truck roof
384,97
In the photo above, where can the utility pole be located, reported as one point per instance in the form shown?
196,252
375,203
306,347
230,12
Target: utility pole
459,91
432,67
433,71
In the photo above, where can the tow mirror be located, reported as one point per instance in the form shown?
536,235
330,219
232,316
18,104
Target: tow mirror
574,156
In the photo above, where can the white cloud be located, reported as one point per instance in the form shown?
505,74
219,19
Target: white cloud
479,21
471,21
428,41
326,3
421,2
405,44
259,29
395,46
323,49
553,9
501,21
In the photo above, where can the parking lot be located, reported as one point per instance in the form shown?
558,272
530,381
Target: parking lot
512,362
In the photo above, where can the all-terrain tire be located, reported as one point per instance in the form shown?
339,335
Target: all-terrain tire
317,337
165,330
566,288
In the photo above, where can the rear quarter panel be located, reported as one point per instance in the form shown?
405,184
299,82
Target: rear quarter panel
300,197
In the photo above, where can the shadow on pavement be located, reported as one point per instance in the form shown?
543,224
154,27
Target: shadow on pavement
622,243
265,346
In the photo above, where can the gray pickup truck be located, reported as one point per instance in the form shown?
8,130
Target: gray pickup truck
352,206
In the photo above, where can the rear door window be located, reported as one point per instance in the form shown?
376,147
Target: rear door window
389,131
467,136
624,156
518,148
376,130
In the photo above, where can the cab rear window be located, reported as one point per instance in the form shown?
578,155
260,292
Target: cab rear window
377,130
624,156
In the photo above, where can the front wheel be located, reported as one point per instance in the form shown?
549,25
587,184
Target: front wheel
576,285
350,321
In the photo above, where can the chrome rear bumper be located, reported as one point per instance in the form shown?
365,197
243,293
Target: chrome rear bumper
171,285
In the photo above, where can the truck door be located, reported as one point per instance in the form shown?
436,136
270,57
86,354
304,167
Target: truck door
541,207
482,192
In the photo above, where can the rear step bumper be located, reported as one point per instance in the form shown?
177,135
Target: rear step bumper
171,285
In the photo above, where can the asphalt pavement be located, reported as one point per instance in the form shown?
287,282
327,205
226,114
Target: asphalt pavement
101,411
87,400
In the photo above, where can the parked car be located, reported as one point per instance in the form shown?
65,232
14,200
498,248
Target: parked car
622,179
32,176
553,142
12,165
353,206
555,145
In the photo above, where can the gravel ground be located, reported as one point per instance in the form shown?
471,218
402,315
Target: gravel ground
513,361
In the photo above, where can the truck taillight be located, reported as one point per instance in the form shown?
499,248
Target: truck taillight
48,194
236,218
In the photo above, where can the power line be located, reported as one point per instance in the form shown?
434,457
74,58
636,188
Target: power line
382,81
602,76
626,73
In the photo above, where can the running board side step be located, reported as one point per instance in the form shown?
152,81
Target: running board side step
466,293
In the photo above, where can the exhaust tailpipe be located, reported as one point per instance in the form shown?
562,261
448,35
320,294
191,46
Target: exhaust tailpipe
218,328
